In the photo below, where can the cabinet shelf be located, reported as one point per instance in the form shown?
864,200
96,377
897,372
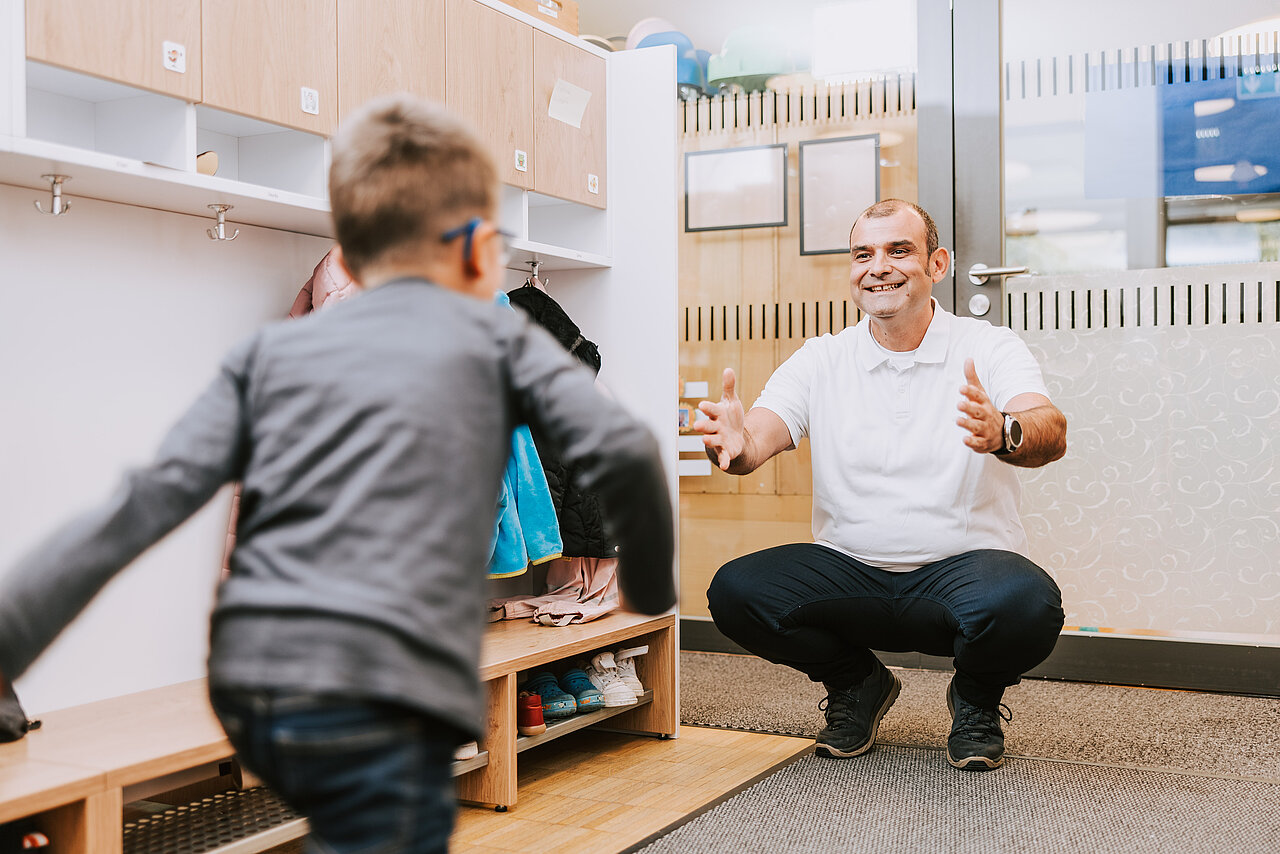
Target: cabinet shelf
553,258
111,178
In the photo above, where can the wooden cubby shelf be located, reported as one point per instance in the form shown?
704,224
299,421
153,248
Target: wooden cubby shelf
555,729
513,648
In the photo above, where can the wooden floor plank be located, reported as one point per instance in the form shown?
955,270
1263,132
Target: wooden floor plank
600,793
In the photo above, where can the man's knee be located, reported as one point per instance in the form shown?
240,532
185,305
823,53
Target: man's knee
730,590
1022,594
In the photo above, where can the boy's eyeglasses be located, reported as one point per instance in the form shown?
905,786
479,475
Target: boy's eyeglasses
468,229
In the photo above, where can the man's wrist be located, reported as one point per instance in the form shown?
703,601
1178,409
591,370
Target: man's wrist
1010,435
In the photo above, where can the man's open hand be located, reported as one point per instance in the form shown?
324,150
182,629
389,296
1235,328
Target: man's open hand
722,430
979,415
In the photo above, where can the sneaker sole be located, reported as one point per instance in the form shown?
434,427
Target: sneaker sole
975,763
836,753
532,730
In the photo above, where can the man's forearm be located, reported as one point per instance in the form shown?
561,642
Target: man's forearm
1044,437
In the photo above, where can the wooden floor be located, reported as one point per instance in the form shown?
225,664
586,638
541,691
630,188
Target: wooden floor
599,793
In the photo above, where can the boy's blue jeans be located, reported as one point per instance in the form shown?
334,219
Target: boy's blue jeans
369,777
822,612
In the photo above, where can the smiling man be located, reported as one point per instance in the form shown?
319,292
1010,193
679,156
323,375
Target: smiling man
915,419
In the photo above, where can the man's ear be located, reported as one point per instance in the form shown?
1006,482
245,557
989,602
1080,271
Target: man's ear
939,263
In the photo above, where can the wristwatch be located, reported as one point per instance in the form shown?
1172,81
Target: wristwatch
1010,436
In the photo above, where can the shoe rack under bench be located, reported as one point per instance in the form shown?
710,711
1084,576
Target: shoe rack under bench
513,647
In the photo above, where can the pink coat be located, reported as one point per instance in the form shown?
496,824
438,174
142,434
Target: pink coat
328,282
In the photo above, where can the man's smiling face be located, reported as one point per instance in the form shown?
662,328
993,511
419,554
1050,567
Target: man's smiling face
891,275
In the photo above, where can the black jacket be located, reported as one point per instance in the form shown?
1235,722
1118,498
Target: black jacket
582,527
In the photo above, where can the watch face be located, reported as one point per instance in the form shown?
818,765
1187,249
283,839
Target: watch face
1015,433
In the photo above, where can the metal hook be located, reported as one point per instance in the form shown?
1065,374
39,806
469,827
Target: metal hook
219,231
57,206
535,279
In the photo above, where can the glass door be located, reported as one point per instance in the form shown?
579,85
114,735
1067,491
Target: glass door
1130,170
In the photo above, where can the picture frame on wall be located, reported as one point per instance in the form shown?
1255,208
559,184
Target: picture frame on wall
732,188
839,179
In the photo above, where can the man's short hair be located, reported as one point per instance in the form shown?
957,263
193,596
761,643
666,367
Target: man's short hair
404,172
889,207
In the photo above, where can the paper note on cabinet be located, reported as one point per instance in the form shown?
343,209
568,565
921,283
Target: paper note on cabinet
568,103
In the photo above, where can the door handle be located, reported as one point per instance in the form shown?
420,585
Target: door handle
979,273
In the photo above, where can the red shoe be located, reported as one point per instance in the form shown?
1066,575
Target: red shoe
529,719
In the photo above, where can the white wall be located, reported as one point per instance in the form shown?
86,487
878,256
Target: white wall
112,319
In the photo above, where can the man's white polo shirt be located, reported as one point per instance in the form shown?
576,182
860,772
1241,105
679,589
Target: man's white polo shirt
894,485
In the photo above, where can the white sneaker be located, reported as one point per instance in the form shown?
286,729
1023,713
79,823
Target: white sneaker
603,673
625,659
466,751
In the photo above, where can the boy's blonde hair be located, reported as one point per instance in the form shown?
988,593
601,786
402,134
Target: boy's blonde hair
404,172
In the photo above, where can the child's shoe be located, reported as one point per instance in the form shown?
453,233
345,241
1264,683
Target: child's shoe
529,720
603,673
625,659
588,696
470,750
556,703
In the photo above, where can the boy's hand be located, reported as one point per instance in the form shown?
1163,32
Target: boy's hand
722,429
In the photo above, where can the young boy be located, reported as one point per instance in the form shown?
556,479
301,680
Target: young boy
370,441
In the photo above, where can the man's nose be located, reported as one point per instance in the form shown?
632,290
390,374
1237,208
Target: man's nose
880,264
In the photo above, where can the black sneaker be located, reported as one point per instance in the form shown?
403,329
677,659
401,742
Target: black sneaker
976,742
854,713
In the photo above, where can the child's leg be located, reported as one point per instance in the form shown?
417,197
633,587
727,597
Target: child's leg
368,776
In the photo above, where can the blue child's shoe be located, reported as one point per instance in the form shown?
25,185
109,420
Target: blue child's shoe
589,698
555,702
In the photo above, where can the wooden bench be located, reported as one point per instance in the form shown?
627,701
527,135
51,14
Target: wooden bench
76,773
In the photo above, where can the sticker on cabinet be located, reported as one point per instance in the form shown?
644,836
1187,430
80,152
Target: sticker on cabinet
522,161
593,184
310,101
568,103
175,57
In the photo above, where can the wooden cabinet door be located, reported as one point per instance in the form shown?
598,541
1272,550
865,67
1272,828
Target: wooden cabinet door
569,157
121,40
389,46
489,82
259,56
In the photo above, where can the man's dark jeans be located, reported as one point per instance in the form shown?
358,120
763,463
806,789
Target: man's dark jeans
369,777
816,609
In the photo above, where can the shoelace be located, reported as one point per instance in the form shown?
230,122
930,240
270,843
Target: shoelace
978,724
842,710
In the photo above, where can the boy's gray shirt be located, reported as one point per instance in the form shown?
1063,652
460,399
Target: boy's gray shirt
370,439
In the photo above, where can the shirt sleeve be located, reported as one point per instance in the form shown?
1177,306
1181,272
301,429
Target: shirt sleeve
1011,370
51,585
616,457
787,392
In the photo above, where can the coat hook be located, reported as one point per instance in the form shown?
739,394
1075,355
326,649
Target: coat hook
219,230
57,206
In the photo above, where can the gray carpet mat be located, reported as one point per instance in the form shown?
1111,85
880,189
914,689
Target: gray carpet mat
1106,724
908,799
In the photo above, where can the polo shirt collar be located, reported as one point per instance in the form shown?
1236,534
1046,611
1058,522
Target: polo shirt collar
932,350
